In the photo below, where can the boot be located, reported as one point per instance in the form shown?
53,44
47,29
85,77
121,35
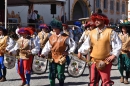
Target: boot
61,83
2,79
23,84
122,79
126,81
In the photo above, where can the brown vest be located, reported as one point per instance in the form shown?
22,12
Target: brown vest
24,46
3,45
43,39
125,42
58,46
101,48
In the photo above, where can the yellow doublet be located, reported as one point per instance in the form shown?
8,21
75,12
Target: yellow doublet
101,47
3,44
125,42
43,38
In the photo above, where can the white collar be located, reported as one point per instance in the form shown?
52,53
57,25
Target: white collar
2,36
100,31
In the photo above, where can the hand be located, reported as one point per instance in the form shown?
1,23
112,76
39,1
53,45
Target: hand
110,58
29,51
79,55
42,56
65,53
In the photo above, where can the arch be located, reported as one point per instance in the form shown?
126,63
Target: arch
84,9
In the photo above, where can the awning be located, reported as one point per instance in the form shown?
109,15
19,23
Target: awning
26,2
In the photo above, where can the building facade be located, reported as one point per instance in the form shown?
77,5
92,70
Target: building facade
76,9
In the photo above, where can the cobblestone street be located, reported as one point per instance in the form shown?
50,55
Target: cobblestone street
13,79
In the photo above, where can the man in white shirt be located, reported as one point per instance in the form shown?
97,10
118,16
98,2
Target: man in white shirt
57,44
32,18
105,46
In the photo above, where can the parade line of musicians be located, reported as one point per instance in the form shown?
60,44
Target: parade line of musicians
106,47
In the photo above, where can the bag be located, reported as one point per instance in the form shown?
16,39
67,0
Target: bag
62,60
100,65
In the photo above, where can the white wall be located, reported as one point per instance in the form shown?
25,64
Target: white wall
43,10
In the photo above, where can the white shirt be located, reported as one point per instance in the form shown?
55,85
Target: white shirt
83,37
35,50
70,42
32,15
10,44
115,42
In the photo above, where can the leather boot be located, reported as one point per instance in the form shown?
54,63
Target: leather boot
61,83
2,79
23,84
122,79
126,81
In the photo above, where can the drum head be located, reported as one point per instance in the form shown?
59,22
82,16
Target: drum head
9,61
39,65
76,66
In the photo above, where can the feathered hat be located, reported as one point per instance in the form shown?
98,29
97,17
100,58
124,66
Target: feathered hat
56,24
124,21
25,30
43,26
100,15
90,23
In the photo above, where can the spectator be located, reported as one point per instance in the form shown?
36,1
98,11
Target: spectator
32,18
62,18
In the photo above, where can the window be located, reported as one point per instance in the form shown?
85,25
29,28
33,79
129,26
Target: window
111,5
105,4
123,7
117,6
97,3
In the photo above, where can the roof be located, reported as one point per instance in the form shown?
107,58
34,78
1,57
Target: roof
26,2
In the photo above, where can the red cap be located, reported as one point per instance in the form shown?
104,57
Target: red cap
100,16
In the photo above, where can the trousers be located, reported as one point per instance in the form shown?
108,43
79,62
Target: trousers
96,75
24,69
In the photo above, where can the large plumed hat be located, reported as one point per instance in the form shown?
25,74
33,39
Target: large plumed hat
25,30
100,15
90,23
56,24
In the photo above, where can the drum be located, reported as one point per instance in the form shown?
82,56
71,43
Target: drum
9,61
39,65
115,62
76,66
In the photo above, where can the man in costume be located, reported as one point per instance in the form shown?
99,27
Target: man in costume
124,58
105,47
6,43
43,35
58,44
26,47
88,27
67,30
77,31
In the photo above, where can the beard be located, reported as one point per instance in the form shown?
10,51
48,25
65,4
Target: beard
99,25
